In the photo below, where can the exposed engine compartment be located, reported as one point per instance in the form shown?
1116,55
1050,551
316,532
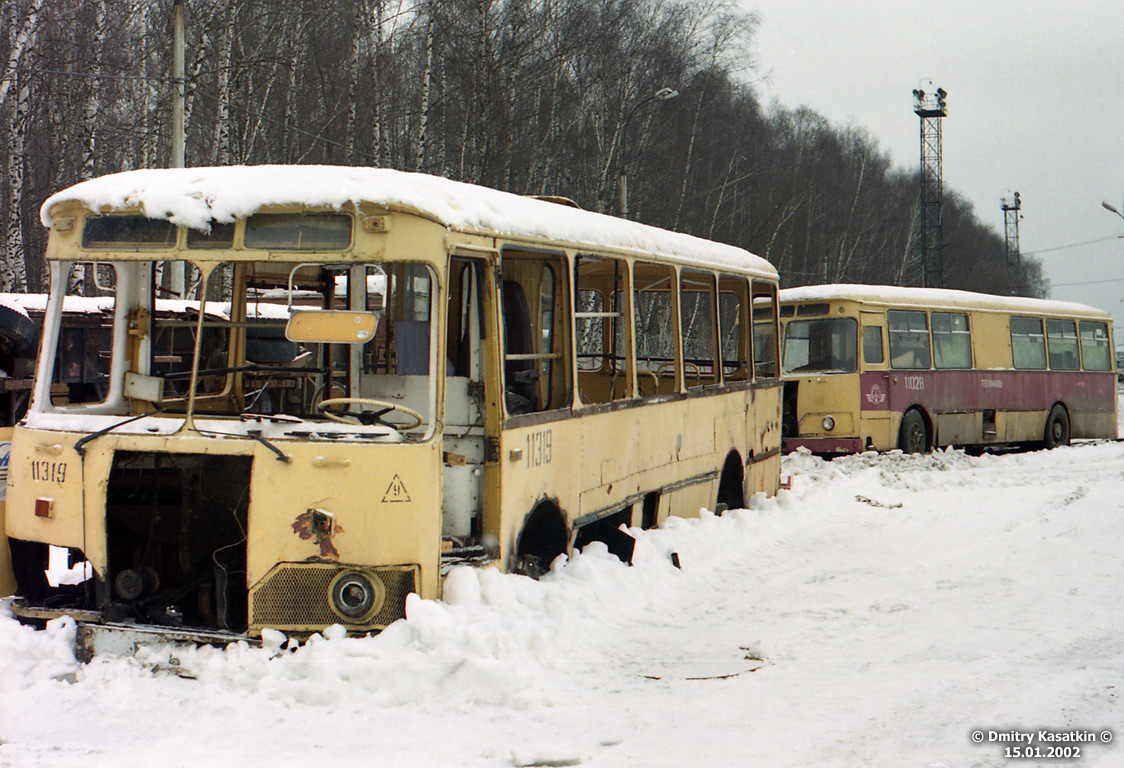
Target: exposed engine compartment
176,540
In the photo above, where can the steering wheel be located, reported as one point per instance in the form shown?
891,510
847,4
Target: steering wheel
367,417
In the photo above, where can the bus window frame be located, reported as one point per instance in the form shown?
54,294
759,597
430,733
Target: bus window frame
1015,345
766,369
561,376
645,284
741,370
694,368
1103,327
910,314
613,309
967,333
1053,356
847,322
864,361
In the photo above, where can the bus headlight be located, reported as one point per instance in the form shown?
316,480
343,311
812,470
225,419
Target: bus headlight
828,423
356,596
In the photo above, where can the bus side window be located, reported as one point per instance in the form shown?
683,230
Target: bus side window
733,327
952,343
1061,344
1095,353
604,373
1028,344
536,372
764,330
653,311
872,345
909,339
696,309
466,321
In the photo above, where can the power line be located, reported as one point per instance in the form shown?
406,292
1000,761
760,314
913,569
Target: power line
1072,245
1089,282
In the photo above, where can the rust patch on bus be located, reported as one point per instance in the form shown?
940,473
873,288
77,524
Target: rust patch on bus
319,526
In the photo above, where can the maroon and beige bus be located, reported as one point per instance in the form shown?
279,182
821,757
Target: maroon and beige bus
871,367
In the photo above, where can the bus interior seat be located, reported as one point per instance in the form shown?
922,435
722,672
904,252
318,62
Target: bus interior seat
411,342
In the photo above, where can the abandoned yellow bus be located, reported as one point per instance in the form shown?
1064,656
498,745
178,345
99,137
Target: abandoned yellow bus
380,375
871,367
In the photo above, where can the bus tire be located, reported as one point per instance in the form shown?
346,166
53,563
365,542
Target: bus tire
1057,428
18,332
913,435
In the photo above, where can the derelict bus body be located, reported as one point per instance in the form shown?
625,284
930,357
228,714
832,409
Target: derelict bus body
380,380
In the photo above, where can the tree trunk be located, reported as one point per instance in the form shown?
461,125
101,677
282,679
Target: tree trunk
225,89
687,167
427,75
19,41
14,276
374,42
357,32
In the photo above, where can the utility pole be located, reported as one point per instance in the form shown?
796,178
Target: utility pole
178,82
931,108
1011,206
177,277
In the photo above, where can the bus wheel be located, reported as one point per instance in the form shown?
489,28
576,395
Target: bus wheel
1057,428
913,437
17,332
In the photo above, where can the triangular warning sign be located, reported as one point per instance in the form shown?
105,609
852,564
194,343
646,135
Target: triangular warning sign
396,491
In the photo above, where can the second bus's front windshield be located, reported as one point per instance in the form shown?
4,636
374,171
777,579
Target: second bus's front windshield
825,345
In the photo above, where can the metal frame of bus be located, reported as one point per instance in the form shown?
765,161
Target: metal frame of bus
339,517
78,374
988,401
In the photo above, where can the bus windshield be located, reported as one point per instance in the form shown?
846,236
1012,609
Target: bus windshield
337,342
825,345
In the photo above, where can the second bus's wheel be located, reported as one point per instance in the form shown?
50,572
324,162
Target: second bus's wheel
1057,428
913,437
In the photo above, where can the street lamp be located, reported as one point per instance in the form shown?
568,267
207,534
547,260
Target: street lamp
1109,207
663,94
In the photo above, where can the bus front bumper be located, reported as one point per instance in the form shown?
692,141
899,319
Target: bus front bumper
96,637
824,444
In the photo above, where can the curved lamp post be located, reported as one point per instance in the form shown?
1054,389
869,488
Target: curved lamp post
663,94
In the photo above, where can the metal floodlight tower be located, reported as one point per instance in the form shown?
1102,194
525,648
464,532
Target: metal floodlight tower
930,107
1011,206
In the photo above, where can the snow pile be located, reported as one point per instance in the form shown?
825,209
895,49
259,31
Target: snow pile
877,614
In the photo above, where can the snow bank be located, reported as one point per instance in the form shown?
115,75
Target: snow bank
876,614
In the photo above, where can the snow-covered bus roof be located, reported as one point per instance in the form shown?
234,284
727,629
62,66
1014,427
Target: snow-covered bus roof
935,297
194,197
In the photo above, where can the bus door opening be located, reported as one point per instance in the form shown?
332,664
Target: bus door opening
874,384
465,405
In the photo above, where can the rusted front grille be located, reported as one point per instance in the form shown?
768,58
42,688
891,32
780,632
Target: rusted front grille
296,597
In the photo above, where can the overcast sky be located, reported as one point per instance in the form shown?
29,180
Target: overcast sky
1035,105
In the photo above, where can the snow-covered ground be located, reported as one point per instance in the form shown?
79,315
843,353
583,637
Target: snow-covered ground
878,614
